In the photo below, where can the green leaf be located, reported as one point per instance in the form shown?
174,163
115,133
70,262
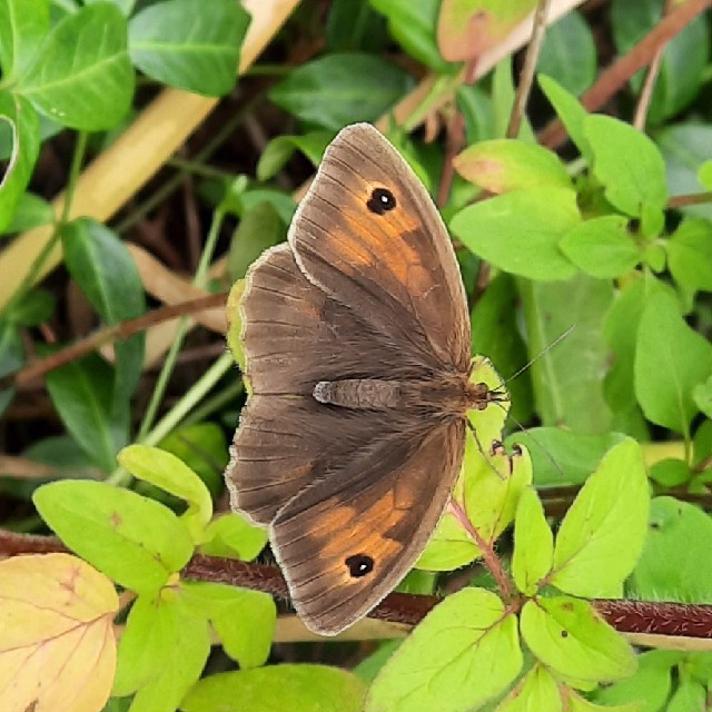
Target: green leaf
702,395
297,688
533,543
230,535
177,42
581,704
412,25
31,211
568,388
370,666
670,472
201,446
475,106
685,147
23,124
82,393
602,534
569,110
259,229
503,165
244,620
689,253
135,541
280,149
620,327
566,635
449,548
358,27
601,247
561,457
536,692
690,695
463,653
681,70
23,27
338,89
33,309
627,163
704,175
12,356
102,266
670,360
83,56
676,564
519,232
171,474
649,687
162,652
234,328
569,53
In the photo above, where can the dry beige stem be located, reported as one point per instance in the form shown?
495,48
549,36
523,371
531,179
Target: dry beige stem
120,171
169,288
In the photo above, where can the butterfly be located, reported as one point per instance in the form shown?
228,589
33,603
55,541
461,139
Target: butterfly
356,337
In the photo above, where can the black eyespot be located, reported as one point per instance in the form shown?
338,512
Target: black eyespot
564,633
381,201
359,565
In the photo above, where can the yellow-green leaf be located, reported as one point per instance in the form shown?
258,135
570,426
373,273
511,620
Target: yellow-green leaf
533,543
171,474
568,636
602,534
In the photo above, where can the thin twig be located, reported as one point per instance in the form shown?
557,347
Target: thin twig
646,92
489,556
616,76
526,78
681,620
117,332
455,139
680,201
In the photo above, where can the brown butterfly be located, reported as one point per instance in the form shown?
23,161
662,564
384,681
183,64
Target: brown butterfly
357,343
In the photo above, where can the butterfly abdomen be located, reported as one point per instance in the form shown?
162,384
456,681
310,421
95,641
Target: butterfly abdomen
360,393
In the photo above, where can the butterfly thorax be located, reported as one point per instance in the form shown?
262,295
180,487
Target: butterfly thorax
444,394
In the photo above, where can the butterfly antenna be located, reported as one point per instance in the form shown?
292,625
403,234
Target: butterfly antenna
544,351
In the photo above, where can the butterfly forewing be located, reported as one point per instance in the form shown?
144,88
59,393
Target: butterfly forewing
369,235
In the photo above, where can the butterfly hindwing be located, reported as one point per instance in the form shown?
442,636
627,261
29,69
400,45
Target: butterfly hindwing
346,542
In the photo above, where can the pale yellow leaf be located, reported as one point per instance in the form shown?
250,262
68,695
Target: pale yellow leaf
57,645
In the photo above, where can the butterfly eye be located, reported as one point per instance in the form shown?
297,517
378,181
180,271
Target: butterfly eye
381,201
359,565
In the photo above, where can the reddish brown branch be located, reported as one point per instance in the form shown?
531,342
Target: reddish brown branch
678,619
117,332
680,201
616,76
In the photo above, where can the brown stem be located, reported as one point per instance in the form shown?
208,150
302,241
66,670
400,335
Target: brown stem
455,140
526,78
668,619
489,556
680,201
117,332
615,76
646,92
